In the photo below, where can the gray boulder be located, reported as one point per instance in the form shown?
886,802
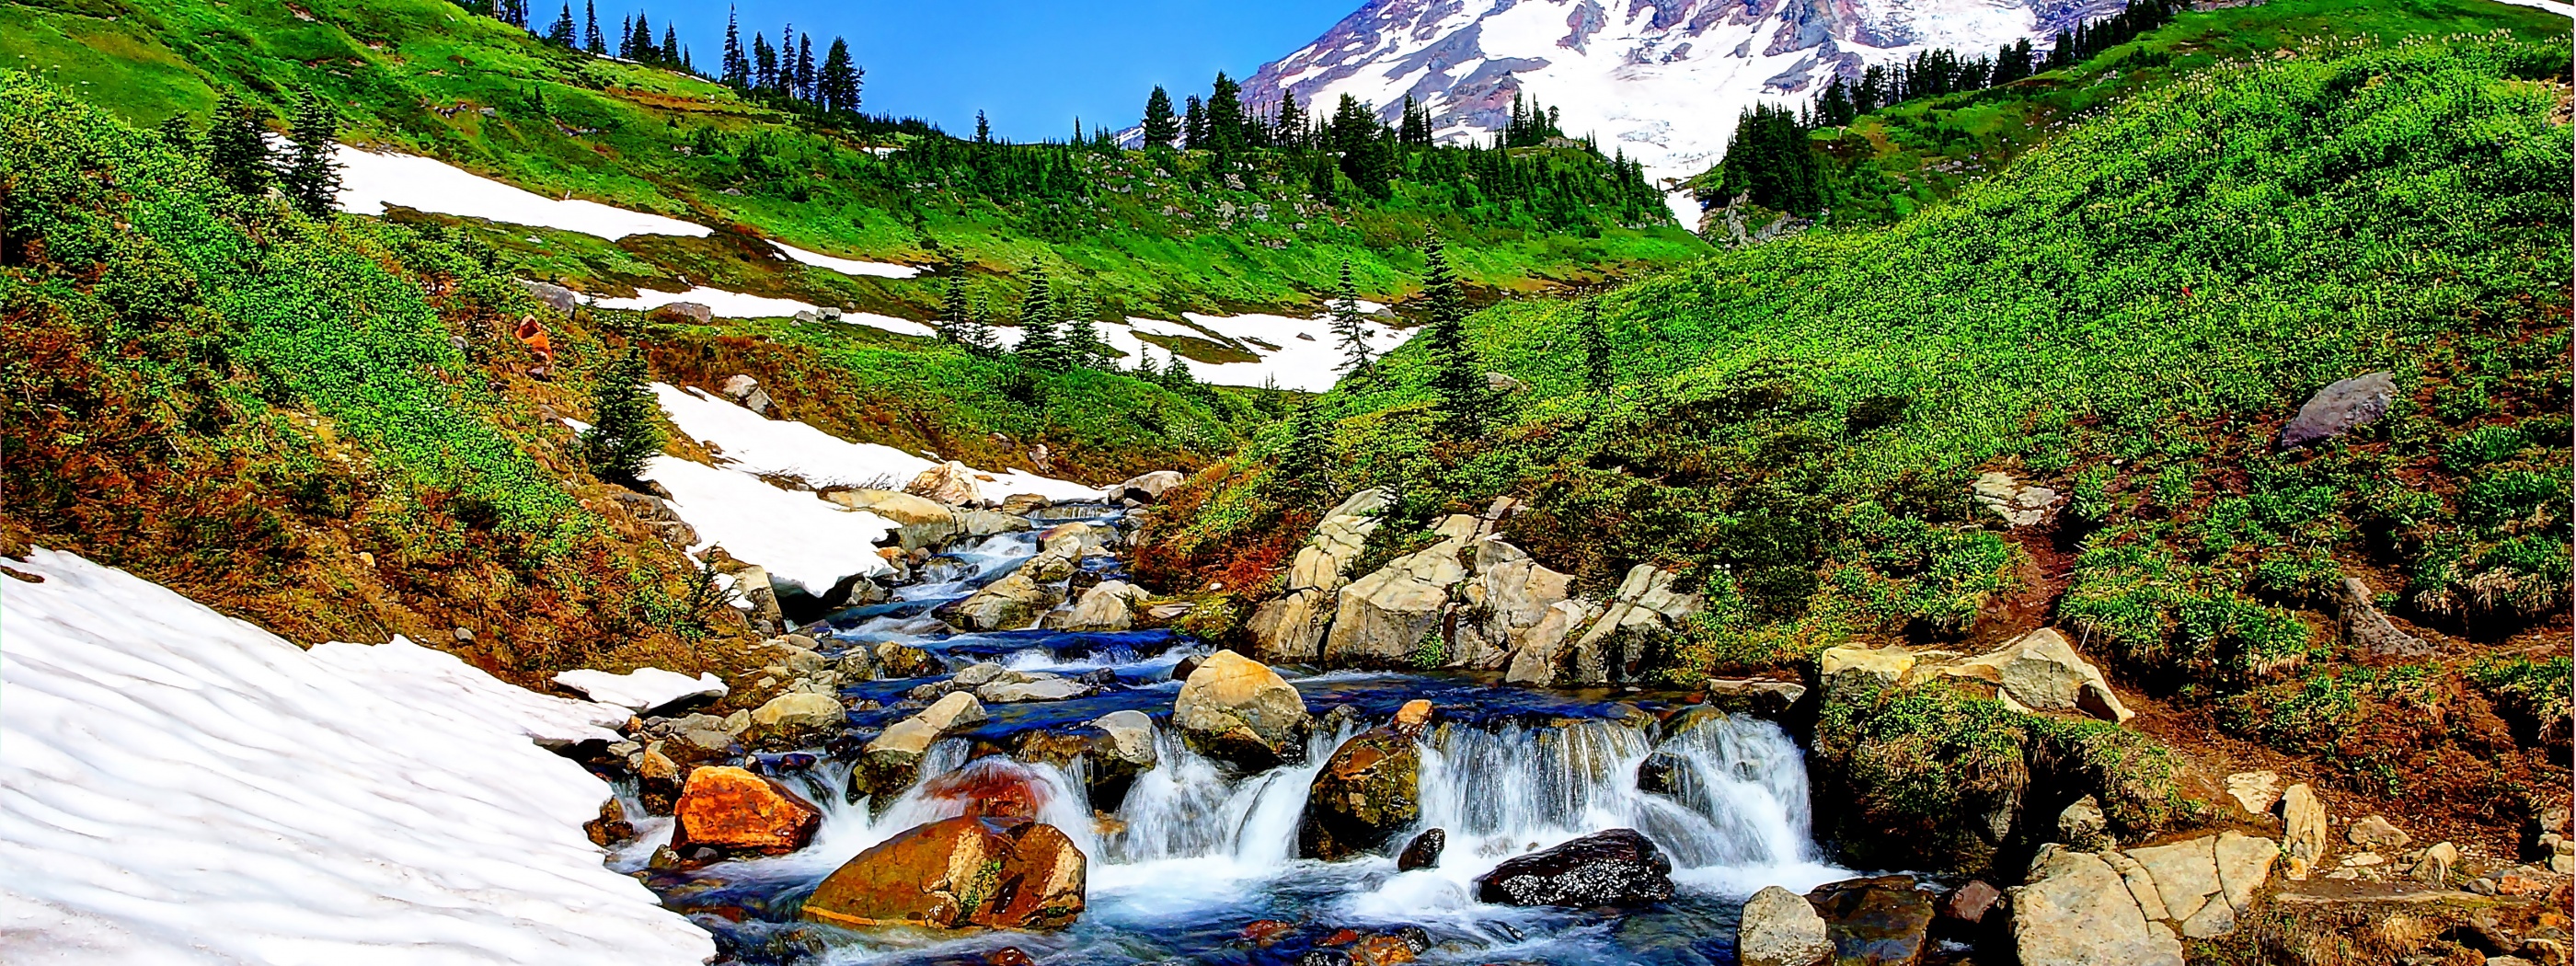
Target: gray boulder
2076,911
2339,409
1780,928
1291,627
555,296
1384,616
2368,631
1010,603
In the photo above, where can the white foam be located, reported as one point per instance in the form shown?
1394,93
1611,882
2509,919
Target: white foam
370,181
179,786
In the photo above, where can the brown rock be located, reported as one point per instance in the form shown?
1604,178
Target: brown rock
610,827
731,809
1413,717
1234,709
1882,921
1008,956
1971,902
1423,852
1381,951
995,873
1367,792
1263,932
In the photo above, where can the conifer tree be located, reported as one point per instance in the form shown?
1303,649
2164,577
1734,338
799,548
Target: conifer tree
176,132
1194,125
737,68
312,176
764,64
671,46
805,68
1082,340
590,36
983,129
1596,347
561,32
1176,374
237,146
1160,126
1040,346
1303,467
840,79
1351,327
1454,376
952,312
623,434
626,38
1145,367
1225,119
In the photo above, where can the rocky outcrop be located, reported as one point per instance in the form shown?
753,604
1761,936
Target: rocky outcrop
1882,920
732,811
2368,631
1759,696
1889,665
1367,792
1540,656
2076,911
2338,409
1780,928
1614,868
555,296
1011,603
1644,612
1142,490
2039,671
1383,618
1510,594
2017,504
1291,628
739,387
1106,606
2303,830
1235,710
952,483
987,872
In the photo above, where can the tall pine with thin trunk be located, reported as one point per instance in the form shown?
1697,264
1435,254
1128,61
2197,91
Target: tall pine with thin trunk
1041,347
1304,468
590,36
1352,328
1161,127
236,146
1455,380
312,177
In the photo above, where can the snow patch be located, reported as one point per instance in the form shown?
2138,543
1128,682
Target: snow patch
847,266
737,305
370,181
180,786
642,689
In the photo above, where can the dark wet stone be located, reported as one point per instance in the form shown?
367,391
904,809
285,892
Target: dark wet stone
1366,793
1662,773
1882,921
1423,852
1618,867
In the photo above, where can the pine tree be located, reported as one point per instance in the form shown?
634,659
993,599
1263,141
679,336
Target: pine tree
623,434
237,146
737,68
178,133
1351,327
1176,374
1194,125
983,129
1596,348
840,79
805,68
312,176
1145,367
626,38
1303,467
764,64
1454,376
1160,126
1082,341
561,32
1040,346
590,37
1225,120
671,46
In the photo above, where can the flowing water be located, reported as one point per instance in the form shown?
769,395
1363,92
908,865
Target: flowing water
1192,853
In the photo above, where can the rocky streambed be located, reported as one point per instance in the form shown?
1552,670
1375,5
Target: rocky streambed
993,764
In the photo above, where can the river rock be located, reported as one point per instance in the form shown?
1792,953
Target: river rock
984,523
1641,615
922,522
611,827
1077,539
1106,606
2368,631
1614,868
895,661
2338,409
1384,617
1780,928
1009,604
1131,736
2374,832
1421,853
2077,912
801,711
1036,689
1888,664
733,810
1759,696
2303,830
1881,921
2083,827
1141,490
952,483
994,873
1023,504
1412,718
2040,671
1541,653
892,760
1234,709
1367,792
1969,904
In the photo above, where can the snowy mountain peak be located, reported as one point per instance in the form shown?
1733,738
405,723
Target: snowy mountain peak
1661,79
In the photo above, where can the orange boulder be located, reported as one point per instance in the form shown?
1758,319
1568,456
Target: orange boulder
731,809
969,871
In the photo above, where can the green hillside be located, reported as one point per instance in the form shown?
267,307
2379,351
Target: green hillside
1146,235
2126,313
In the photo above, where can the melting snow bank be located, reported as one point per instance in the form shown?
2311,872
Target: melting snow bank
1296,353
846,266
370,181
795,535
736,305
179,786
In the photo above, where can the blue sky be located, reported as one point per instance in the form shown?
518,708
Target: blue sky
1032,65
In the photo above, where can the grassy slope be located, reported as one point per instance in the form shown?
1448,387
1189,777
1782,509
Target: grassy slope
2126,313
418,74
